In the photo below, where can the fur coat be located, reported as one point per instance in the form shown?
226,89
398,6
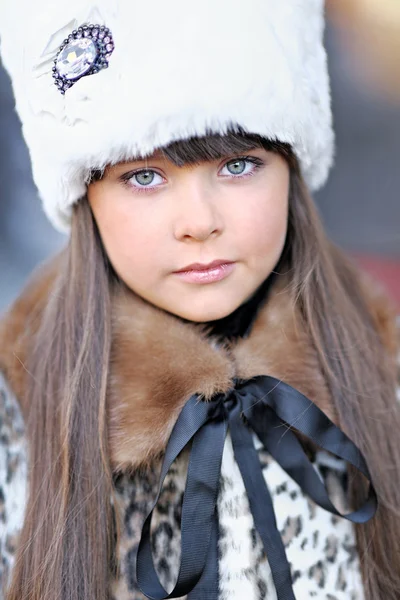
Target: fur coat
152,376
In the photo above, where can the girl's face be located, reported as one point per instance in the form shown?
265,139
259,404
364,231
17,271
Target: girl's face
196,241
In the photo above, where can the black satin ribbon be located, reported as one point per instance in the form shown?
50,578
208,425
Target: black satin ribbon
269,408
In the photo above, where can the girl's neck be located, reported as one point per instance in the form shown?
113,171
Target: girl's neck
239,323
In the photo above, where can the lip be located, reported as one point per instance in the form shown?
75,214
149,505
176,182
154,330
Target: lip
204,267
206,273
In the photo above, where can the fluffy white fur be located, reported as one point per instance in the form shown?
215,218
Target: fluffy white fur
179,68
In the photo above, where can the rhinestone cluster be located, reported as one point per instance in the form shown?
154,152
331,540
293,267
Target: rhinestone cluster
86,51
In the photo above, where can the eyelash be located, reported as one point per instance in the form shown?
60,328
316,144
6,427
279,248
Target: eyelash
256,162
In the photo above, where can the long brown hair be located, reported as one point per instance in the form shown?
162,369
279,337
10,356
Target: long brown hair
68,540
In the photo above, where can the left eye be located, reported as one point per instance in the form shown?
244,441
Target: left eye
238,166
242,166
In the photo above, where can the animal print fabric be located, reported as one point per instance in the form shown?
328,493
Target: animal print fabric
320,547
13,480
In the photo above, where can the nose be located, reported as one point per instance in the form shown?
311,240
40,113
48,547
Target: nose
198,216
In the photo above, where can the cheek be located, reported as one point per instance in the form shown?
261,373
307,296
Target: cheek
131,240
262,227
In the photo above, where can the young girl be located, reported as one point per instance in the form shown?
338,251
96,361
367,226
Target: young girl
198,394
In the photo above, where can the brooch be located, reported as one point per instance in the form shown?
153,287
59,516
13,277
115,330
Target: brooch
85,52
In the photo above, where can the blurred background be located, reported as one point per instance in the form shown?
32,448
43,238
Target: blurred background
360,205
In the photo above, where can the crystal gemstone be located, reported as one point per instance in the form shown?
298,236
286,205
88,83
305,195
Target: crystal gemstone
76,58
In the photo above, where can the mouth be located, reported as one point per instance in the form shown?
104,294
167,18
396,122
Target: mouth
206,273
204,267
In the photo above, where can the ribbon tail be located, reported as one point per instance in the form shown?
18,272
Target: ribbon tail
198,508
208,586
273,408
261,505
286,449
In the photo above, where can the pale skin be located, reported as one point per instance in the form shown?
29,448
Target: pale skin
162,218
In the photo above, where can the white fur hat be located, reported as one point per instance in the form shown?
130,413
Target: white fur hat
179,68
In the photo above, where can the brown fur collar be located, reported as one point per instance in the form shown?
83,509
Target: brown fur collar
158,361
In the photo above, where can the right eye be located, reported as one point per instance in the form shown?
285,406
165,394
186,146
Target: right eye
142,180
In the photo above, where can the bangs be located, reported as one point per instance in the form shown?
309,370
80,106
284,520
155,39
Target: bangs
212,146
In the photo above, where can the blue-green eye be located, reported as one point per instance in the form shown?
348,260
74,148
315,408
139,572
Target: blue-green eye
242,166
144,179
237,167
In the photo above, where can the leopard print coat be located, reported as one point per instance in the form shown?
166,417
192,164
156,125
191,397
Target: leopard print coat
320,547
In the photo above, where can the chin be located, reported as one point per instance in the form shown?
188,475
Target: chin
205,314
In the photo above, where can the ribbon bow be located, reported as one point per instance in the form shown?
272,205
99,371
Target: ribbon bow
262,404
